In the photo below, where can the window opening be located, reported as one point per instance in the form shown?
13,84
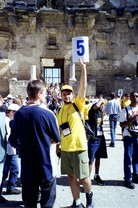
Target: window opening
52,75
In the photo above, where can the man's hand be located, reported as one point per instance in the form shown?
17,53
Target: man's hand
82,64
58,150
83,80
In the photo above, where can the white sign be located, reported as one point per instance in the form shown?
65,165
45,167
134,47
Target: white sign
120,92
80,49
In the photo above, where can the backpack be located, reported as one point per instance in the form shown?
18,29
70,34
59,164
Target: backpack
89,132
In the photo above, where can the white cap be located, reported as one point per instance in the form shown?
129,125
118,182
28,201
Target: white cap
94,100
9,96
13,107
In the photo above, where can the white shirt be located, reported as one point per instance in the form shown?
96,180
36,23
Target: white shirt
10,150
123,117
113,107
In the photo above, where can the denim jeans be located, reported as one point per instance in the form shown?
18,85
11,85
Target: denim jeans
130,157
30,192
92,149
113,118
11,168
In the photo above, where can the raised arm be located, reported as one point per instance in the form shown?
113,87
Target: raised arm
98,104
83,80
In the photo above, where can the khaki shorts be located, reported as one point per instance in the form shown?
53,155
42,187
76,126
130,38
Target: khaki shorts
75,163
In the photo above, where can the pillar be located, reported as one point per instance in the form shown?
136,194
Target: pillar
73,80
72,72
33,72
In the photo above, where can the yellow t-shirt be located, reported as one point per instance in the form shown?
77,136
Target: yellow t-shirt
125,103
76,141
86,111
105,101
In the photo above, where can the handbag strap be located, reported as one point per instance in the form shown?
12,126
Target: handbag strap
76,108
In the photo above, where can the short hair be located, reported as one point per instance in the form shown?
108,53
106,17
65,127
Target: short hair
112,95
34,87
127,94
132,94
17,101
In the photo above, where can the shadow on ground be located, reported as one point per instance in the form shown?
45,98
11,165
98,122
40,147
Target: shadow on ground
111,183
63,181
12,204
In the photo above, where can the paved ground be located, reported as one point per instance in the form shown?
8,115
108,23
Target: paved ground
113,195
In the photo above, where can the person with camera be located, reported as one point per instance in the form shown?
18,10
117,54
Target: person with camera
129,124
97,144
74,155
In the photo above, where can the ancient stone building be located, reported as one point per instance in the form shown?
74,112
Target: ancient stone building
38,33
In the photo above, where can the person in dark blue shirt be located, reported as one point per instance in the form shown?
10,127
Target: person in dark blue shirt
33,130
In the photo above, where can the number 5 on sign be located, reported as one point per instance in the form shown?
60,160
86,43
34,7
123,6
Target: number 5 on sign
80,49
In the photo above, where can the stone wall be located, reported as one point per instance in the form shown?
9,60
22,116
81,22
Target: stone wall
17,88
26,37
127,85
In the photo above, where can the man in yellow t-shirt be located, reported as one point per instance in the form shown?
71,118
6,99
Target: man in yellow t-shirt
126,101
74,155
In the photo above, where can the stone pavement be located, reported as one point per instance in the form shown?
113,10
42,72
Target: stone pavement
112,195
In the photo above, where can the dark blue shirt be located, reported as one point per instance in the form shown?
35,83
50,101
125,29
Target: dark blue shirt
31,133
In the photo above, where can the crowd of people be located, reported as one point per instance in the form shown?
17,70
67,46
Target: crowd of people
29,127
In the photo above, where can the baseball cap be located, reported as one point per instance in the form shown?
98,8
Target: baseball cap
66,87
13,107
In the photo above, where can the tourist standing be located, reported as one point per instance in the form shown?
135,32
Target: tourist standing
113,109
125,101
74,155
97,146
129,123
34,129
3,143
11,165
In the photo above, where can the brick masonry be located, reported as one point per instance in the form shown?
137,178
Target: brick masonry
27,37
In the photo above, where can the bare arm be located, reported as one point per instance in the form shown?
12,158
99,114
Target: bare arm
83,80
128,122
99,103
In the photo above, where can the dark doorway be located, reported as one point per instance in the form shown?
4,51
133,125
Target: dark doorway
52,70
